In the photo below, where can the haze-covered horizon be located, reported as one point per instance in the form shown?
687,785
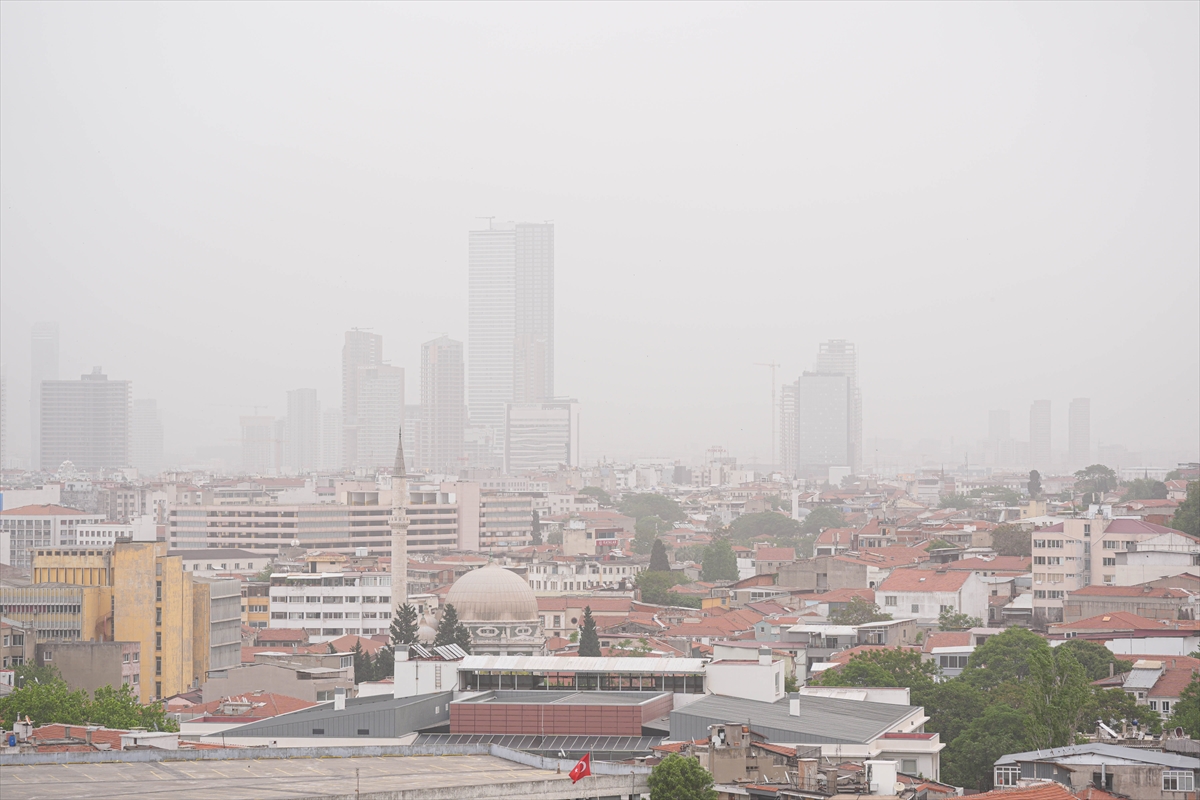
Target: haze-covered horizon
996,203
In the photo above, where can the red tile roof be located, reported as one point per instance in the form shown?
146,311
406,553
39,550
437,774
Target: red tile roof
1113,621
923,580
109,736
1172,682
997,564
1099,590
43,510
297,635
263,706
946,639
1050,790
845,595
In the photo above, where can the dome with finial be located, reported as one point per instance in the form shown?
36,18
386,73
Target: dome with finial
493,594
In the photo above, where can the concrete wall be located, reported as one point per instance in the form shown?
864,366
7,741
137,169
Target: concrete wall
89,665
268,678
823,573
747,679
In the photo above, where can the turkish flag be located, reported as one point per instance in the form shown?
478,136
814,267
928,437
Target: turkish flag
581,769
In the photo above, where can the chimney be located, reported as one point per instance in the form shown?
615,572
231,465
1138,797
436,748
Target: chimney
87,736
764,656
402,652
339,699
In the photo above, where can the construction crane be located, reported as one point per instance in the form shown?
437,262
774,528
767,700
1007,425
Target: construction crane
773,367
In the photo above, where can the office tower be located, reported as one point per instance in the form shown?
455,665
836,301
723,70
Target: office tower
839,357
510,320
413,435
787,429
1079,434
147,447
541,436
362,349
3,419
43,367
87,422
379,414
441,429
331,439
1000,437
258,445
302,447
1040,456
824,406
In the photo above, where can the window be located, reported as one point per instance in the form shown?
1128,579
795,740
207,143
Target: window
364,731
158,616
319,731
1036,543
1166,705
1109,544
1154,705
1054,594
908,766
953,662
1007,776
889,600
916,608
1110,562
1178,780
48,656
1039,559
158,641
944,609
1104,781
158,591
158,665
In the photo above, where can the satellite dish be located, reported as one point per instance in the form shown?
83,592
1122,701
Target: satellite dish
897,788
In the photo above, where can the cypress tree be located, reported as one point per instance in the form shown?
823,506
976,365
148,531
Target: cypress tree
404,626
589,641
658,557
447,629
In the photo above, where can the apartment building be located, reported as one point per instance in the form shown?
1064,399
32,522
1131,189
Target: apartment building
443,516
264,529
24,530
505,521
329,601
87,422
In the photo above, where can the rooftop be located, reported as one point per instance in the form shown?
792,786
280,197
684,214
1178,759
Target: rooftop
1096,753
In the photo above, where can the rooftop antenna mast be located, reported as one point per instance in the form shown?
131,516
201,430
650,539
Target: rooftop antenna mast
773,367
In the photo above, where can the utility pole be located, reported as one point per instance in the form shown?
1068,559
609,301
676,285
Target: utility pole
773,367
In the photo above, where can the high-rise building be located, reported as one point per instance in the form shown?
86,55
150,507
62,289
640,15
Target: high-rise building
147,447
43,367
302,445
824,406
258,445
1000,438
3,419
787,429
379,414
839,357
510,320
1040,454
1079,434
87,422
362,349
331,439
541,436
442,411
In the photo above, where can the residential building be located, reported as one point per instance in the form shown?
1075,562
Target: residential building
258,445
769,560
760,678
443,516
839,357
302,445
1136,773
824,403
17,643
787,428
87,422
1079,433
379,414
315,677
926,594
91,665
263,528
541,437
505,521
332,603
43,364
443,410
361,350
1040,455
215,562
146,447
25,529
1143,600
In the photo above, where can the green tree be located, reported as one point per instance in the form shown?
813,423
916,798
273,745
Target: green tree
1187,516
1186,713
822,517
858,611
45,703
1035,484
602,497
1094,657
1059,694
790,684
589,641
659,562
626,647
119,708
265,574
646,533
956,501
1012,540
679,777
884,667
1096,479
1145,489
951,620
1002,657
646,504
766,523
997,494
364,665
536,528
451,631
967,761
720,564
951,706
655,586
30,672
938,544
404,626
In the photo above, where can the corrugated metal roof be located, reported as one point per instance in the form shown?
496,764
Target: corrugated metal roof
658,666
544,697
608,744
1142,678
1107,753
822,720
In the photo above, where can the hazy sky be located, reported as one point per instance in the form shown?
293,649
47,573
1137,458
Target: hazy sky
996,202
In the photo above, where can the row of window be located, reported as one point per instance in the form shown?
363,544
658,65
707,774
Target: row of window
1051,594
330,600
328,615
1048,543
1173,780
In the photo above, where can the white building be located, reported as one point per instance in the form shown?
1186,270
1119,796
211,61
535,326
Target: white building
925,594
541,436
443,409
332,604
214,561
28,528
760,678
139,529
302,445
87,422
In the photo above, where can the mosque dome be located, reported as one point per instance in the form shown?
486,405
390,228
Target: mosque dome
426,634
493,594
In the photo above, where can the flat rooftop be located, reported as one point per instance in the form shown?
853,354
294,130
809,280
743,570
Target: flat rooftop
568,698
277,778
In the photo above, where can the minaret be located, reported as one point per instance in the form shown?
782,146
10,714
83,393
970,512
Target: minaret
399,523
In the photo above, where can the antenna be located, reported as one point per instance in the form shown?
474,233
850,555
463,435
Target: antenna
773,367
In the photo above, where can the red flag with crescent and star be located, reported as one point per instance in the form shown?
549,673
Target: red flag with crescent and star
582,769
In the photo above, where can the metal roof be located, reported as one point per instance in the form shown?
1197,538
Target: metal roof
383,716
822,720
1142,678
446,652
568,698
657,666
1102,753
606,744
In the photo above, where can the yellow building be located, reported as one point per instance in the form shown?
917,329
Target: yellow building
153,601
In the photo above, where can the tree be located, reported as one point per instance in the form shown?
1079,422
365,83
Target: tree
766,523
265,574
658,557
1096,479
602,497
404,626
1059,693
679,777
938,544
647,530
119,708
1002,657
1011,540
951,620
647,505
1094,657
720,564
997,494
1186,713
30,672
589,641
536,528
956,501
951,706
790,684
654,586
822,517
1035,484
967,761
451,631
364,665
1145,489
1187,516
858,611
45,703
626,647
884,667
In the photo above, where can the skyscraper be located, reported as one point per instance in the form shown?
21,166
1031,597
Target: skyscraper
787,428
510,320
3,418
824,405
839,357
442,409
1040,455
147,446
331,439
1079,433
1000,437
541,436
258,445
302,446
361,349
43,367
379,414
87,422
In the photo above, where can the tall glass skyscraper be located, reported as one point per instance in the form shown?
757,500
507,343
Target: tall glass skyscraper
442,410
